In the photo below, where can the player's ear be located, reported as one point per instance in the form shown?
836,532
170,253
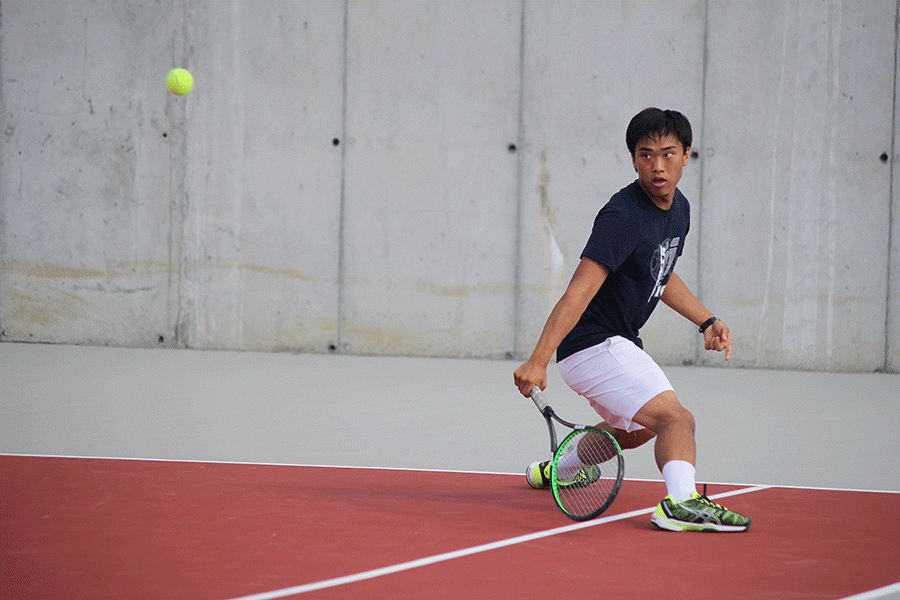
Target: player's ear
687,156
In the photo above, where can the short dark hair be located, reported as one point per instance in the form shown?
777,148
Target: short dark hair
654,123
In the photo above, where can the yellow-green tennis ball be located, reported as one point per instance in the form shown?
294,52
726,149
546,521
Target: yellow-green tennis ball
180,82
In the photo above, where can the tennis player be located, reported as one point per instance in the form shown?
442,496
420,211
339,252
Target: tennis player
626,268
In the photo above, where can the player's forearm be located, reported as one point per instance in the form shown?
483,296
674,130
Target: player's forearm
562,319
679,298
587,279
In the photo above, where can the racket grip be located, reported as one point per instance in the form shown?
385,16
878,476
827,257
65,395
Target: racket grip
537,396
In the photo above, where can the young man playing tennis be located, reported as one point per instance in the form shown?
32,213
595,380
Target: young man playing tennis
625,269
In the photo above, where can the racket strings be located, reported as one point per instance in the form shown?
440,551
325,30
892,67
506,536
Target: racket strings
587,473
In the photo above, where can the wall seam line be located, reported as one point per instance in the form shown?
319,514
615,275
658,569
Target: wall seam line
341,260
888,313
702,168
520,143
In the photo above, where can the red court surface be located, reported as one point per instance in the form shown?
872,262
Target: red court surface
103,528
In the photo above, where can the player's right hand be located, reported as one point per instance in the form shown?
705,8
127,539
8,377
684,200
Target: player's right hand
529,375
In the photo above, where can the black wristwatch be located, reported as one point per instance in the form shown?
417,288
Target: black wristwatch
708,322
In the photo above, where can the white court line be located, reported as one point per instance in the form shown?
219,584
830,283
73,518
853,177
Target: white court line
266,464
420,470
879,593
430,560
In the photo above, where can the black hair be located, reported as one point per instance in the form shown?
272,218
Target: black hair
654,123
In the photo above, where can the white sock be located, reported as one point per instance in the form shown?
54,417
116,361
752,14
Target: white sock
679,476
569,465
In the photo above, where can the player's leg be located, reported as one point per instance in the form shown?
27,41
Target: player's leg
617,378
628,439
538,473
674,426
683,509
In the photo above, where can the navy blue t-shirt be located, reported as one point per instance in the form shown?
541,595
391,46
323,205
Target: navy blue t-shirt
640,243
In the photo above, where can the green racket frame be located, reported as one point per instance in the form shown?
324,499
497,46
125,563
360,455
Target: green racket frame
540,401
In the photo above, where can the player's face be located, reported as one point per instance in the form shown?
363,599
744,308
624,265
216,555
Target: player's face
659,163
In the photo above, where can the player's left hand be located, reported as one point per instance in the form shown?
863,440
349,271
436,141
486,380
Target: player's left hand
718,337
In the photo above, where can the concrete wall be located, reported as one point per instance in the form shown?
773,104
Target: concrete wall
418,178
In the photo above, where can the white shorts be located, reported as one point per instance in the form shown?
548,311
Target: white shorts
617,378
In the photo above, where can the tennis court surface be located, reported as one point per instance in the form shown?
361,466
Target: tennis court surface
203,525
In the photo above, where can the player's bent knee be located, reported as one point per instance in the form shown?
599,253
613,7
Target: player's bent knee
663,410
688,417
679,414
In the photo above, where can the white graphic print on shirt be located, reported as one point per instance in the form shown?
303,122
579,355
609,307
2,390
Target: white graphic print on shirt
662,263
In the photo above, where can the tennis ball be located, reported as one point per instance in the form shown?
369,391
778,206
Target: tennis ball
180,82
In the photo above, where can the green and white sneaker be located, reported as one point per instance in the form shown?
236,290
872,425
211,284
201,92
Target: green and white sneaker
697,513
538,476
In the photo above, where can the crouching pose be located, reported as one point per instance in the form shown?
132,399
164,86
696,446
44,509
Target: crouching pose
626,268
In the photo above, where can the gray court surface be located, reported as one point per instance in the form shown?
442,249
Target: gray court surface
753,426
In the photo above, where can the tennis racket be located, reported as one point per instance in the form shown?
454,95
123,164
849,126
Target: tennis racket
587,467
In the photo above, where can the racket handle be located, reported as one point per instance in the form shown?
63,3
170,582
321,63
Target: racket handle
537,396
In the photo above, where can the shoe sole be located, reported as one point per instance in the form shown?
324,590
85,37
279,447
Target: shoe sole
675,525
529,478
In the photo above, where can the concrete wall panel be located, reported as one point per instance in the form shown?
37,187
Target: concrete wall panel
262,195
430,193
797,199
86,172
